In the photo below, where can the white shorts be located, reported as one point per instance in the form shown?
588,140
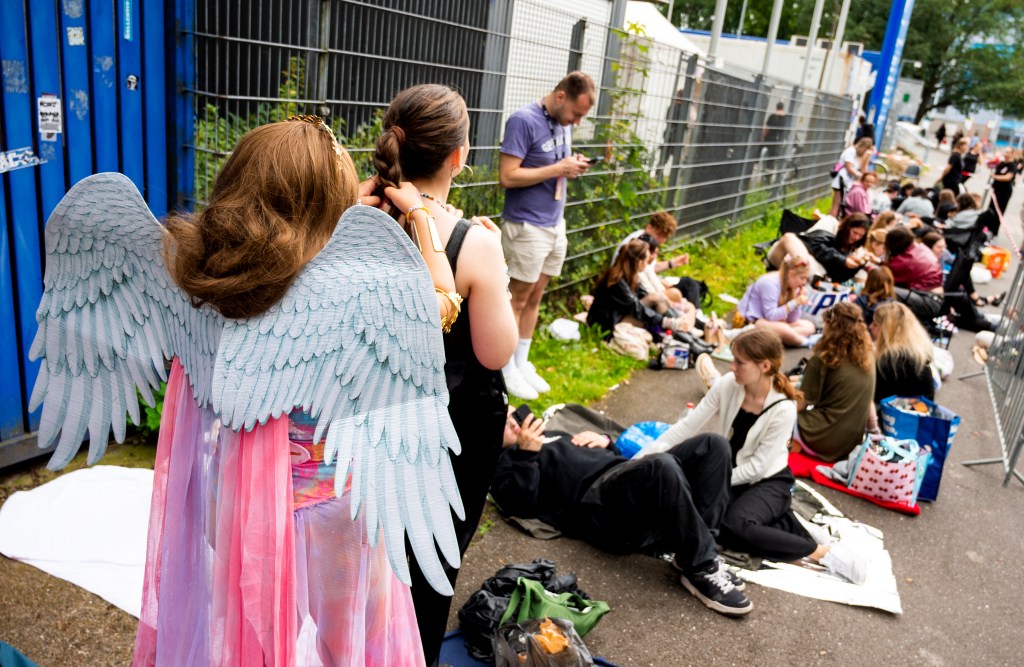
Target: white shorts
531,250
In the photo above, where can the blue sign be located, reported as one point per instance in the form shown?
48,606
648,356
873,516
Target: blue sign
889,66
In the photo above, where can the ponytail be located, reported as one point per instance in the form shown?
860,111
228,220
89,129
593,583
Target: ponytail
762,344
785,387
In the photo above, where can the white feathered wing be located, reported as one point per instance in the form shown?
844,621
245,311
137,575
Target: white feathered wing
355,341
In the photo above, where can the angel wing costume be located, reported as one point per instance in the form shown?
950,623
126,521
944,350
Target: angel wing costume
298,449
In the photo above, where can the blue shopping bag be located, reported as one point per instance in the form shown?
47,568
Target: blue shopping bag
638,436
933,429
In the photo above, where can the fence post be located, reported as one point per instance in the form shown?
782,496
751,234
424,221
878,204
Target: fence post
185,68
616,17
681,116
322,29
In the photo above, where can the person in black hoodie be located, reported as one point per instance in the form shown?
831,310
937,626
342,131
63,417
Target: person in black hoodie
668,502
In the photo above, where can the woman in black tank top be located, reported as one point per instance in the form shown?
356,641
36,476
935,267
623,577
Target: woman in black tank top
424,145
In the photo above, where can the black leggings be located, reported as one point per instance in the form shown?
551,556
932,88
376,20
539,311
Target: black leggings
759,521
480,430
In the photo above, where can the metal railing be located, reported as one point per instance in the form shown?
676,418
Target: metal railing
1004,372
678,134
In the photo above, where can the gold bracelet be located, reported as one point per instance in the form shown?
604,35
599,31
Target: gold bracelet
435,238
455,303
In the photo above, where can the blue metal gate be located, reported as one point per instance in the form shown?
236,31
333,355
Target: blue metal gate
84,90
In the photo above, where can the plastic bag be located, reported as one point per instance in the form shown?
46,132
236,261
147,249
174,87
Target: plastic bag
548,642
481,615
638,436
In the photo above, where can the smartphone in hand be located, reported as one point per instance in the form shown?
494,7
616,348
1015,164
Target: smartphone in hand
521,413
595,160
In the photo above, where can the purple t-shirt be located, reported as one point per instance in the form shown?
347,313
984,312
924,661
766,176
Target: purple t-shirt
761,301
528,136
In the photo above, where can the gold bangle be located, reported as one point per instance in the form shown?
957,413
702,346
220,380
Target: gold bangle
435,238
455,308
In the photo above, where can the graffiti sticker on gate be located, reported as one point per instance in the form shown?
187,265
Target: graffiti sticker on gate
19,158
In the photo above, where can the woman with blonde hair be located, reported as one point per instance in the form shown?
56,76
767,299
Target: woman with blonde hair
774,301
838,386
755,406
903,354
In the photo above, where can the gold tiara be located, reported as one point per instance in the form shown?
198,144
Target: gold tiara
320,125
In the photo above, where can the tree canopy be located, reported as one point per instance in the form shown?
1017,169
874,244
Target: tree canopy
967,48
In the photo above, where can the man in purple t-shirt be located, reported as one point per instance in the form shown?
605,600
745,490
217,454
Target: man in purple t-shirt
536,159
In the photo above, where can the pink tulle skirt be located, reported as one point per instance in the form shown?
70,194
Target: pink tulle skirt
235,576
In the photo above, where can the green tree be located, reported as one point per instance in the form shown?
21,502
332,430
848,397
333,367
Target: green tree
960,46
966,47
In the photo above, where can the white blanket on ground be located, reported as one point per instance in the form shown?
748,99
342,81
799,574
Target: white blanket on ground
87,527
878,591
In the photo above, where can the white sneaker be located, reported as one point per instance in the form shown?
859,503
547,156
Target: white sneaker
517,385
529,373
847,563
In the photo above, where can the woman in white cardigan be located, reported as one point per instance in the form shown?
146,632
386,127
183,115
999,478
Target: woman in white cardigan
754,406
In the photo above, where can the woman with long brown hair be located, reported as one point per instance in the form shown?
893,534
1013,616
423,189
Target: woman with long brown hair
878,289
755,406
834,248
618,298
254,557
838,386
425,144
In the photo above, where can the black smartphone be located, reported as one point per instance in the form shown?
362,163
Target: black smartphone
521,413
595,160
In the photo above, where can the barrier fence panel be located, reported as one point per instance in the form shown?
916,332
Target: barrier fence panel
83,92
676,134
1004,371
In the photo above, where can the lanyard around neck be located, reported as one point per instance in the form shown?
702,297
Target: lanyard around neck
551,127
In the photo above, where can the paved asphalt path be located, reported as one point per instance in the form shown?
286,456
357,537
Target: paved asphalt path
957,565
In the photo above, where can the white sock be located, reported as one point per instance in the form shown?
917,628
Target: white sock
510,367
522,351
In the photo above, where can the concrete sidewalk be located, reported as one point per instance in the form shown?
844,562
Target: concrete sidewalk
957,565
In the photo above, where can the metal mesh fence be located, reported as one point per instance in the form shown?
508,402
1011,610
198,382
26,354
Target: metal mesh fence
1004,370
677,134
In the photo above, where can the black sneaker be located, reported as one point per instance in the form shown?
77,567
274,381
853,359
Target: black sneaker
716,591
734,578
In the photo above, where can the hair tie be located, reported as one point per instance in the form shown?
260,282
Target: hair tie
399,134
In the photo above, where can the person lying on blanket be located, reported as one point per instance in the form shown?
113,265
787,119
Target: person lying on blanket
673,501
756,405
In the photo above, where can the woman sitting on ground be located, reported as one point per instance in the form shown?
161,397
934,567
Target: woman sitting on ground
936,242
946,206
838,386
878,289
651,284
912,264
875,245
959,227
903,354
755,406
915,267
774,300
618,297
884,220
837,248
